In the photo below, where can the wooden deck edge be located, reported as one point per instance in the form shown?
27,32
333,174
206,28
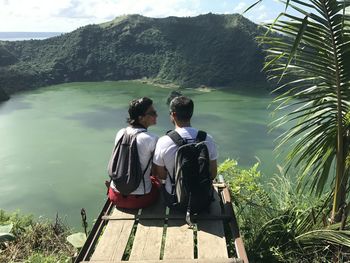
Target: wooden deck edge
93,236
170,217
240,249
215,260
219,185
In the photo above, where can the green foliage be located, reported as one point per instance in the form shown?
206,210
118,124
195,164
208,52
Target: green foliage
35,241
313,60
40,258
251,201
6,228
281,225
18,222
311,65
211,50
5,234
77,239
244,183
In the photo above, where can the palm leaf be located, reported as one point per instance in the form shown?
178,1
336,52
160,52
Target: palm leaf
296,43
251,6
321,237
312,58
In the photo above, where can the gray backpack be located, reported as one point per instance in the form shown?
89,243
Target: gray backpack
124,167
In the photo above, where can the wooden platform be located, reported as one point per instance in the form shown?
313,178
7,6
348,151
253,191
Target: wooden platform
158,234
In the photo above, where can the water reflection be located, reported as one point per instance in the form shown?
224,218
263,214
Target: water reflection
8,107
101,118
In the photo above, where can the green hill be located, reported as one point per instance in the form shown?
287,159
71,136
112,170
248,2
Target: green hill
212,50
3,95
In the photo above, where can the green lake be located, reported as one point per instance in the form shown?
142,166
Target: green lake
56,141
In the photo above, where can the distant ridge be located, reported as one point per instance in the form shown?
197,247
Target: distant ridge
16,36
211,50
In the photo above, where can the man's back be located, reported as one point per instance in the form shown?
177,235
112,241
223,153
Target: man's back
187,177
166,150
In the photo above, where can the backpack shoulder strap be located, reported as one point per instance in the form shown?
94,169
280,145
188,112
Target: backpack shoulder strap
134,135
177,139
121,138
201,136
140,131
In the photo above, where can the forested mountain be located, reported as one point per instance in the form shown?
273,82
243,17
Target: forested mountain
212,50
3,95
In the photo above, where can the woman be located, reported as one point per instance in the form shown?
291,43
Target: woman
141,115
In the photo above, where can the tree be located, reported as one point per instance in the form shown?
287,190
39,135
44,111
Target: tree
310,60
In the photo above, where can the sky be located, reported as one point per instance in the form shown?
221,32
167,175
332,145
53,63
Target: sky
68,15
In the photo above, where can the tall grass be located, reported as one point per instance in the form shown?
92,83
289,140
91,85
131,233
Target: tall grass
35,240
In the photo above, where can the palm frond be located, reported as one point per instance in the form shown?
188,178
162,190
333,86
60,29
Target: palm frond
308,55
324,236
251,6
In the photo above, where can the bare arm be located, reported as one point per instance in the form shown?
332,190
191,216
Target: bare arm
159,171
213,168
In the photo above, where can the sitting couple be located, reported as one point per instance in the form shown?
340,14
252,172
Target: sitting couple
142,114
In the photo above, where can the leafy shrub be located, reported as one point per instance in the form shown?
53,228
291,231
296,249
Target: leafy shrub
35,241
252,203
279,224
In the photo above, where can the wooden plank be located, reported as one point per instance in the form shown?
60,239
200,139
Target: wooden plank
112,243
179,241
211,241
219,185
148,238
221,260
179,216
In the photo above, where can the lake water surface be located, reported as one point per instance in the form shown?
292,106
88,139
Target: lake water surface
56,141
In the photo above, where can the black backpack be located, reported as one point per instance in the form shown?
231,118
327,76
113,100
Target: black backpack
124,167
191,181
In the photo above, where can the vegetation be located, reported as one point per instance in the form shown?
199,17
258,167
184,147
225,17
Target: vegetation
311,65
278,223
34,241
315,59
3,95
211,50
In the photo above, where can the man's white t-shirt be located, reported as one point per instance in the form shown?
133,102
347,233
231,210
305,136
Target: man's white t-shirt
146,143
165,152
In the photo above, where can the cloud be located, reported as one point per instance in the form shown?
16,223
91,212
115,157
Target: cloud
59,15
104,9
240,7
67,15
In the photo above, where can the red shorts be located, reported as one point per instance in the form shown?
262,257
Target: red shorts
135,201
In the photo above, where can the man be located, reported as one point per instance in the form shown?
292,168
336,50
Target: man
181,110
141,115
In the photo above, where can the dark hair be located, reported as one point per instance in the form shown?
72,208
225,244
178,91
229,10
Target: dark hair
138,108
183,107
